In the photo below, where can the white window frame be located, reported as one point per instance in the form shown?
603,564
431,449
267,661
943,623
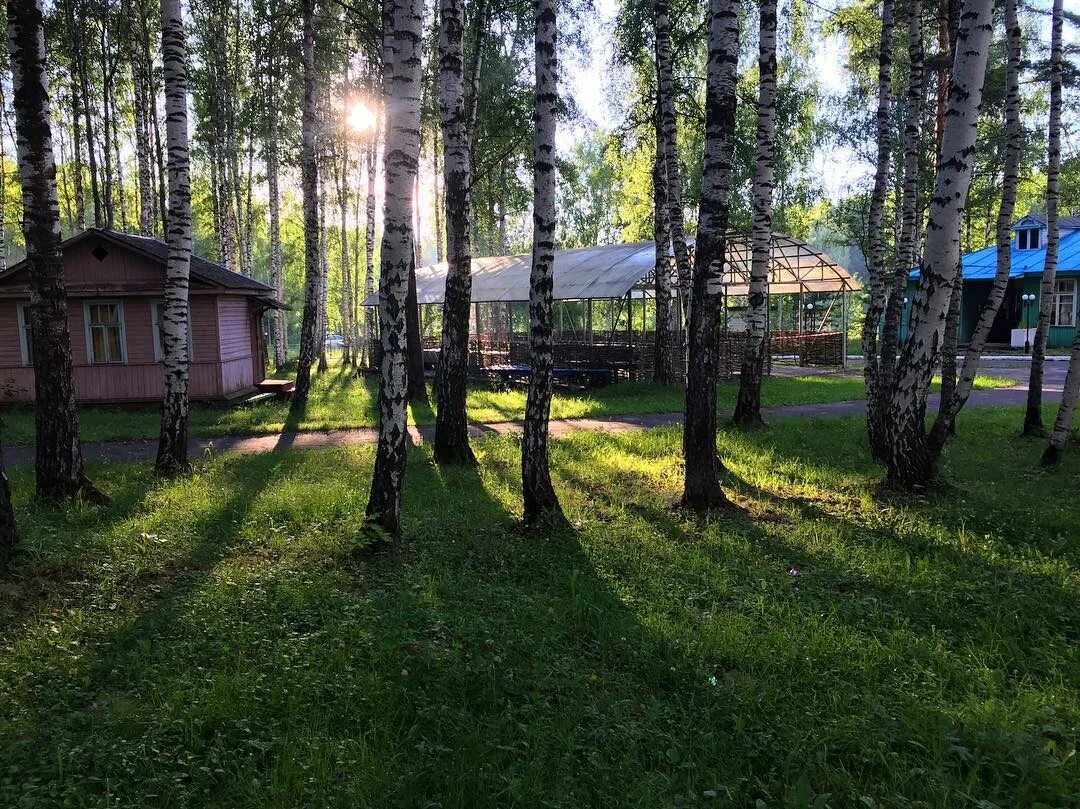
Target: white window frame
1059,293
88,332
1027,233
22,310
155,325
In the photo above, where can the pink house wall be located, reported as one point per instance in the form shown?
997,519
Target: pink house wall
223,356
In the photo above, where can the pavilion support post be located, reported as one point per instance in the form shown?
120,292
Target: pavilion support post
843,328
588,321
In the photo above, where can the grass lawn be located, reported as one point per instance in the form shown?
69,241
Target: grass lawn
339,400
221,641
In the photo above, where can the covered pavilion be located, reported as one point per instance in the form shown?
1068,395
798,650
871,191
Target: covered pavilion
604,311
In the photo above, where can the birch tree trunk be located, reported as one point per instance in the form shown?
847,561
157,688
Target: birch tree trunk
665,370
172,456
370,331
668,132
951,407
1063,423
346,277
402,42
1033,423
77,167
451,425
324,273
309,187
58,452
876,394
910,462
142,132
906,255
701,489
748,405
541,502
277,278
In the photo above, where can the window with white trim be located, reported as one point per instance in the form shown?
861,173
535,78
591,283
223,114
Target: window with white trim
1028,239
1063,312
104,332
26,342
157,318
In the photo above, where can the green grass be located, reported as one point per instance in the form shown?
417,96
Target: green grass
339,400
222,641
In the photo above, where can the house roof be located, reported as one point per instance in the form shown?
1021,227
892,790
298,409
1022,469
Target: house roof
1064,222
611,271
982,264
202,270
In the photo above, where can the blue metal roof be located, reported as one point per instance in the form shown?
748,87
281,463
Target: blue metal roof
982,264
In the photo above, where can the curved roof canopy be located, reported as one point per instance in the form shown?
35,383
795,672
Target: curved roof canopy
612,271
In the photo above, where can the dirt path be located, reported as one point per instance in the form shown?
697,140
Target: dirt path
141,450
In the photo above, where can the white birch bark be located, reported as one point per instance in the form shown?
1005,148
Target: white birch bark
1066,410
701,488
910,462
987,314
309,188
172,455
748,406
451,425
58,451
402,42
540,500
1033,424
876,395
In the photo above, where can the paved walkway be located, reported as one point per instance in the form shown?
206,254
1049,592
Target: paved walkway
140,450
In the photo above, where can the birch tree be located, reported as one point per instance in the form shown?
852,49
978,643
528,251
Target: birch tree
951,406
668,135
701,490
907,253
1066,410
664,366
541,502
402,41
369,247
172,455
910,462
309,180
748,405
1033,423
451,425
58,451
876,395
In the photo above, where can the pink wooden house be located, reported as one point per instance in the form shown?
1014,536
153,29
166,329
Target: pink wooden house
115,283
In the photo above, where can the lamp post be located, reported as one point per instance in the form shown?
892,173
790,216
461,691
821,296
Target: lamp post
906,321
1028,298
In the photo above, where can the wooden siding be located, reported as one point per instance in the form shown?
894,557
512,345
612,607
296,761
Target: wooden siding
141,377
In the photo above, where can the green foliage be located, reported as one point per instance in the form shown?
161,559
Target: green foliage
223,640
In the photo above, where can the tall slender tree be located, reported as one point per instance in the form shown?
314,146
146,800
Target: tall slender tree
665,370
701,489
950,407
58,451
906,255
1033,423
309,181
1066,410
9,534
910,461
748,405
370,326
876,394
402,41
451,426
172,456
668,134
541,502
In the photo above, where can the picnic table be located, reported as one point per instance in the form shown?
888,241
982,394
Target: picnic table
587,377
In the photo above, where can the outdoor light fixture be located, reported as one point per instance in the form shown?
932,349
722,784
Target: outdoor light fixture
905,320
1028,298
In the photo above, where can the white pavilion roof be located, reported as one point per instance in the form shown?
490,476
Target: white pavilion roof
612,271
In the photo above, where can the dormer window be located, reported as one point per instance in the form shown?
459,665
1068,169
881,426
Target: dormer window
1028,239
